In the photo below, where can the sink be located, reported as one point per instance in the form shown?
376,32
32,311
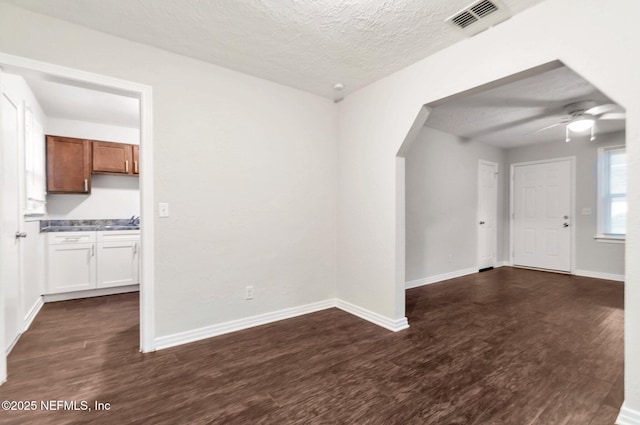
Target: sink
119,227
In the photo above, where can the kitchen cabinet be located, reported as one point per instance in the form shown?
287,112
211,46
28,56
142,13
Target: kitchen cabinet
71,262
112,158
68,165
118,259
79,261
136,159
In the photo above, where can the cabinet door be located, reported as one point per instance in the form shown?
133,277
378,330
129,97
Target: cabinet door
72,267
112,158
136,159
118,264
68,165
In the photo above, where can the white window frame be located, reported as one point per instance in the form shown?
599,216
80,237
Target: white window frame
603,196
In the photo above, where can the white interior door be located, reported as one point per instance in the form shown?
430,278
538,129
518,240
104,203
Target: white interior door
487,213
541,215
9,224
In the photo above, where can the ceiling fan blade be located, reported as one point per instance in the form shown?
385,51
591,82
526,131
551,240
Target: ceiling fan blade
604,109
546,128
613,116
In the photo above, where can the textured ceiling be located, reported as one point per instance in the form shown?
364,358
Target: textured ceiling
309,44
509,115
76,103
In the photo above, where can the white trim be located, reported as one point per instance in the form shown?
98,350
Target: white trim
33,312
144,93
373,317
602,179
440,277
494,236
600,275
628,416
504,264
610,239
239,324
65,296
186,337
572,219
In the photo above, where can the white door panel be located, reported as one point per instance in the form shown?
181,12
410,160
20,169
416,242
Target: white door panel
9,246
542,213
487,213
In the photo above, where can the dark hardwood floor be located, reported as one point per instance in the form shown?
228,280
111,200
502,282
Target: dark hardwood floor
504,347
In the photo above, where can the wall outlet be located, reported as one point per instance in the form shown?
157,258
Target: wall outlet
248,293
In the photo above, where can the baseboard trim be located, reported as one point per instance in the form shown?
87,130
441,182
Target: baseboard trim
503,264
440,277
628,416
33,312
378,319
50,298
239,324
599,275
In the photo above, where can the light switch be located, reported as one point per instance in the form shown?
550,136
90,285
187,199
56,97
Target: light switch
163,209
586,211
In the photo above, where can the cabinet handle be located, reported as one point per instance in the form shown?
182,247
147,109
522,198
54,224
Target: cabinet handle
86,185
135,248
126,166
135,166
93,250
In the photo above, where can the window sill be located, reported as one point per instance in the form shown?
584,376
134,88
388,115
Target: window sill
609,239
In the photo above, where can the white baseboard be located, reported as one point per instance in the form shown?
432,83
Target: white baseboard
599,275
263,319
378,319
240,324
503,264
440,277
33,312
49,298
628,416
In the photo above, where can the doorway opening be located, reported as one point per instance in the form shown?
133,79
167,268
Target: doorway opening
28,208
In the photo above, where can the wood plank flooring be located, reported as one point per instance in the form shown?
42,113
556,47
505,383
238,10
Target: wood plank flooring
503,347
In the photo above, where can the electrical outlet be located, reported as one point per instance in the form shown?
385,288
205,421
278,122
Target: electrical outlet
248,293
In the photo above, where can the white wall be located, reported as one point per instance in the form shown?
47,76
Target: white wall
247,166
111,196
441,203
375,120
31,248
591,255
93,131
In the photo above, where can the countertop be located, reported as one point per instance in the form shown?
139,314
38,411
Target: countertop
94,225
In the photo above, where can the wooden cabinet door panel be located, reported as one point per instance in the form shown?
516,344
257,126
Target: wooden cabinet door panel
112,158
136,159
68,165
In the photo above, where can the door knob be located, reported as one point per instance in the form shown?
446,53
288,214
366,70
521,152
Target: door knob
565,225
21,235
482,222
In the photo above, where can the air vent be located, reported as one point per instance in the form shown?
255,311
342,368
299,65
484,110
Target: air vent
479,16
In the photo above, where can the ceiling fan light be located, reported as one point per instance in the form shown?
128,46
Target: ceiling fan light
581,124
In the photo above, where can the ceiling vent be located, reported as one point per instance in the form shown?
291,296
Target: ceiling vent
479,16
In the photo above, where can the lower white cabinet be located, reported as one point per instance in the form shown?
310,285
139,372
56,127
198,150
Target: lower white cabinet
79,261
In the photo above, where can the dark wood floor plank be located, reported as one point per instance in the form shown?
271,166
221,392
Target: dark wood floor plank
503,347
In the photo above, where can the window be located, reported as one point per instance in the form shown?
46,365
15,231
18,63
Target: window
612,193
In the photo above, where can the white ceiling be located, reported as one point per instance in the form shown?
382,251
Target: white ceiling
309,44
509,115
82,104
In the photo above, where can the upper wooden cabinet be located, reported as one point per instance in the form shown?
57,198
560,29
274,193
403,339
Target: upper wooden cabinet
112,158
68,165
136,159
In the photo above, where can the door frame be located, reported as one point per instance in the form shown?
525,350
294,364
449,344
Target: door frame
145,95
494,235
573,218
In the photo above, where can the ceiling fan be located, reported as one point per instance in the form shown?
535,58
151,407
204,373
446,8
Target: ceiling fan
581,116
